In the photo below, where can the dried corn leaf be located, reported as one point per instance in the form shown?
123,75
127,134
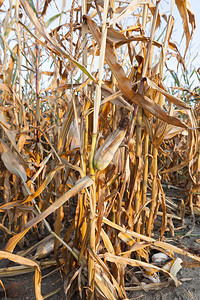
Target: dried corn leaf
115,36
160,244
149,286
81,184
134,4
107,242
9,72
103,290
11,136
48,179
10,91
11,162
125,84
1,283
173,99
170,132
138,246
186,11
21,142
134,246
102,267
21,270
77,273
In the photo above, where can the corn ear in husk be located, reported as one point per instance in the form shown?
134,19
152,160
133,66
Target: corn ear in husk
44,249
105,153
159,257
152,275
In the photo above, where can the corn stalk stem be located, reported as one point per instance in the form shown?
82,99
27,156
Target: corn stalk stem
21,108
37,78
139,129
91,270
145,178
155,151
84,39
101,65
84,78
146,147
146,70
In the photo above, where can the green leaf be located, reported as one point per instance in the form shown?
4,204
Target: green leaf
3,43
33,6
9,27
51,20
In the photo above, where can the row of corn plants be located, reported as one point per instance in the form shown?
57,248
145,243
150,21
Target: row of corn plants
88,135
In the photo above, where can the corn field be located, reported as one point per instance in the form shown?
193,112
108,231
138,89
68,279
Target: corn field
90,135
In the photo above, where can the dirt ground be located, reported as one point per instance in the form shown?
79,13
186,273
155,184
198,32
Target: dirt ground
21,287
189,277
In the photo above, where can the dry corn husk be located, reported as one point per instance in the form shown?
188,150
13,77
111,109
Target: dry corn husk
105,153
73,138
11,162
173,266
